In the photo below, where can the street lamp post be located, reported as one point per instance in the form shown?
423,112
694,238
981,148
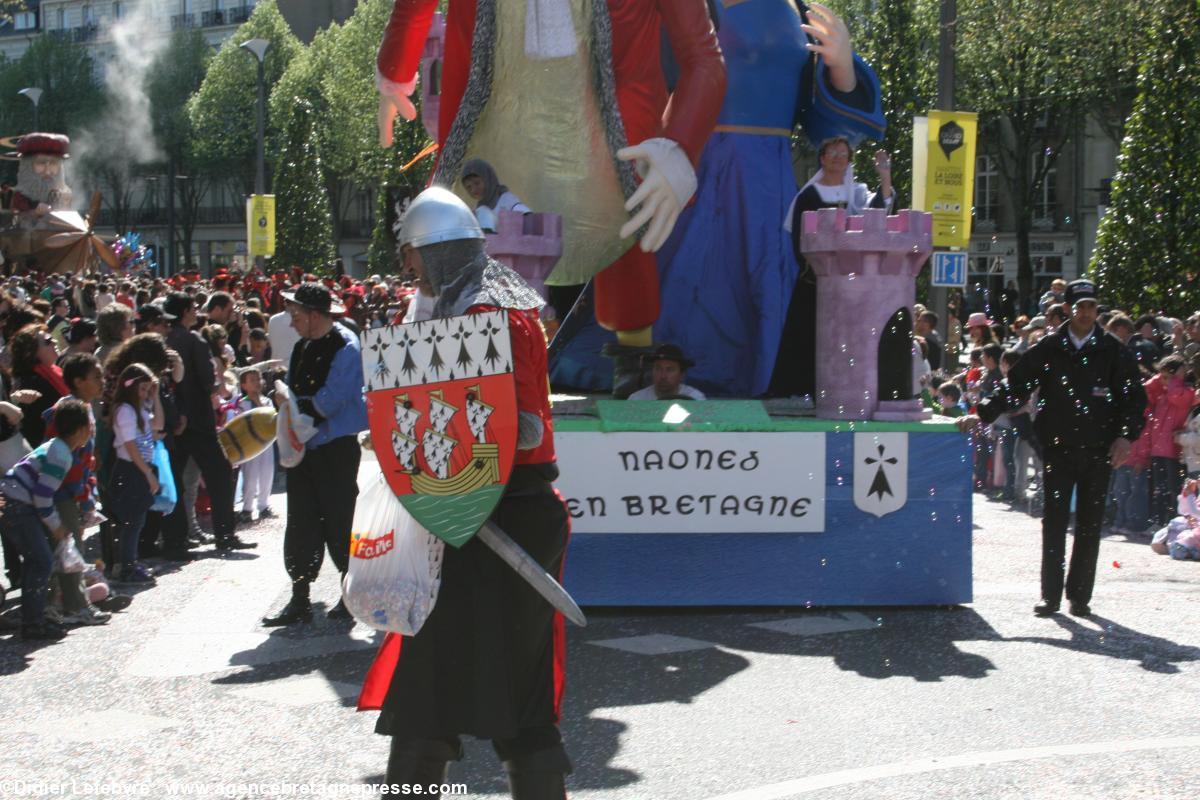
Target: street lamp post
35,96
258,48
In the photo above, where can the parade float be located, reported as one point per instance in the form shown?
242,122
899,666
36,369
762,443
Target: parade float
864,500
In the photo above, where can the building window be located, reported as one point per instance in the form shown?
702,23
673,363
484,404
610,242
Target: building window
89,15
25,21
1045,270
118,11
1044,205
986,190
60,17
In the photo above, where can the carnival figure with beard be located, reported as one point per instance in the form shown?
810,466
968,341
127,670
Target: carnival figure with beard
41,180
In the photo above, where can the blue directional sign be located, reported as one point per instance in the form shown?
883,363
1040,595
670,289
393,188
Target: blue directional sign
949,269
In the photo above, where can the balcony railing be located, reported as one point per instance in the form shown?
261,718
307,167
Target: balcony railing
181,22
85,33
226,16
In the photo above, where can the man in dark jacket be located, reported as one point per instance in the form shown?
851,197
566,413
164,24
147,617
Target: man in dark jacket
198,438
1091,406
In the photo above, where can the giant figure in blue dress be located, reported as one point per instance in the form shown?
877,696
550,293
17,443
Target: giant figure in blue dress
728,271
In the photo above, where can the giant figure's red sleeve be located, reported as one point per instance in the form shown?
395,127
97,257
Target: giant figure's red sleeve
404,39
641,87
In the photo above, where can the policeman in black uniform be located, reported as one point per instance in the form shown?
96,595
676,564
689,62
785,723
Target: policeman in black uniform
1091,406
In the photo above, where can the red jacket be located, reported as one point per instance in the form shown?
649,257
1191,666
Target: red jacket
1167,410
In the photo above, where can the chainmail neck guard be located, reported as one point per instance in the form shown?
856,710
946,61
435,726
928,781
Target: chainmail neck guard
462,275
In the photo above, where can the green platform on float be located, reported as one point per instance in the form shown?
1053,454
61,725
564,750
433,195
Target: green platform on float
720,503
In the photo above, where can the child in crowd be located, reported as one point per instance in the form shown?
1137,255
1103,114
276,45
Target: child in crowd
73,500
1180,539
949,400
135,414
259,472
1188,440
1169,400
29,513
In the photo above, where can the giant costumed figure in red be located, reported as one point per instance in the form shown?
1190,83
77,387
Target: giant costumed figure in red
567,98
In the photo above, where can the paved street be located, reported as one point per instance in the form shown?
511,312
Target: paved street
978,701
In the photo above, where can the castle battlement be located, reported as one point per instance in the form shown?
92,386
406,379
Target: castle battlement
531,244
866,268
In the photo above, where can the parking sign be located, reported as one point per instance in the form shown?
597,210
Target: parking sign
949,269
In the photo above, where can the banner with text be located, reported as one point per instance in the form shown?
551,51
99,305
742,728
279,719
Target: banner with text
946,183
692,482
260,224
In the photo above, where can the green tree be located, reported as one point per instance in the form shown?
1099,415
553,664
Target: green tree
1029,67
899,39
223,112
1147,252
304,222
178,74
64,72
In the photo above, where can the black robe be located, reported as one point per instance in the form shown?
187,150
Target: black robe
796,364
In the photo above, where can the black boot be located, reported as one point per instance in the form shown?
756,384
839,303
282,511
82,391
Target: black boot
298,609
539,776
629,372
421,761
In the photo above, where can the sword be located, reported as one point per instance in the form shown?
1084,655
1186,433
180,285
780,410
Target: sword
541,581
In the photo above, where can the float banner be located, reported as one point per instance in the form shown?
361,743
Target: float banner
260,224
692,482
950,176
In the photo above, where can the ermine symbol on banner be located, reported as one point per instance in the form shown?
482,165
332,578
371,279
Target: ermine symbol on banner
880,472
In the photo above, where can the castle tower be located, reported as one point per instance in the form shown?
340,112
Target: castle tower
866,268
530,244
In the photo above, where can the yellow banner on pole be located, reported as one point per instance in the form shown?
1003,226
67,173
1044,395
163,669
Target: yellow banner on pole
950,175
260,225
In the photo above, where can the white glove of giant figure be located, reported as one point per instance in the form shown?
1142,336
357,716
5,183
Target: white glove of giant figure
668,183
393,100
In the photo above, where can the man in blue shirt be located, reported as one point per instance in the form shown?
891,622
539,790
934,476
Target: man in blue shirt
325,377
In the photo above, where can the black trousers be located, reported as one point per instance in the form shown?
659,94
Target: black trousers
321,492
1085,471
218,480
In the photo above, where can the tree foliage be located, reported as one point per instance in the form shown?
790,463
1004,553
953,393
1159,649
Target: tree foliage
1147,255
1029,67
64,72
899,39
304,234
223,112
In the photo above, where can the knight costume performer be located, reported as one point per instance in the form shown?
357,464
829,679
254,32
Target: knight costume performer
488,661
553,93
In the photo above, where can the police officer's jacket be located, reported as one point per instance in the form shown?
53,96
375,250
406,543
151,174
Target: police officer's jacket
1087,397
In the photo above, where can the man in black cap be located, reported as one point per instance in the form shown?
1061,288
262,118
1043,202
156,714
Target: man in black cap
198,438
669,371
1091,408
325,377
152,319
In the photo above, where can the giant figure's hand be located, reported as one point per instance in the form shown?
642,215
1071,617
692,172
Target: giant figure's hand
668,183
833,45
393,100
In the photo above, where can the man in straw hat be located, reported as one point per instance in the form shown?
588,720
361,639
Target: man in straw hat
325,376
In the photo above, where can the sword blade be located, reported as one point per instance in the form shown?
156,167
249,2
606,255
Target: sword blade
502,544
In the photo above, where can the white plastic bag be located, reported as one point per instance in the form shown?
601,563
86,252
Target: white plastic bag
395,564
67,559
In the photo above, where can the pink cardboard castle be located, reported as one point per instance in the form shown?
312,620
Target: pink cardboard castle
431,74
530,244
866,268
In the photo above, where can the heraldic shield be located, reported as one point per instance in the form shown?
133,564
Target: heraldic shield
442,409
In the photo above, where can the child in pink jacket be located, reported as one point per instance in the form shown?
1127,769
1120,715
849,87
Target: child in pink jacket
1169,399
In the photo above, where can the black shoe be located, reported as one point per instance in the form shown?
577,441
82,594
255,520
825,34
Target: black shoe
245,518
200,537
45,631
178,555
339,612
266,513
295,611
1080,610
114,602
234,543
1044,609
